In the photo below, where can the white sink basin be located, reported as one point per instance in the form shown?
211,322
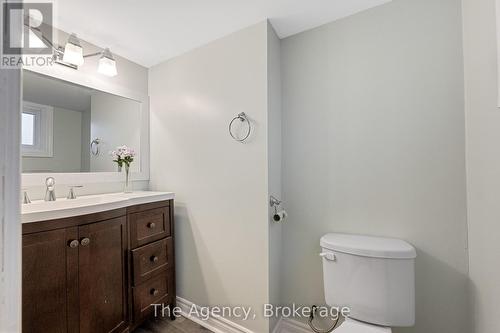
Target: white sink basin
61,208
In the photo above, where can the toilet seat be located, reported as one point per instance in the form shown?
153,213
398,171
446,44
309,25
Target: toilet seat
354,326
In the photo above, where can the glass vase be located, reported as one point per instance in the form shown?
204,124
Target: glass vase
128,184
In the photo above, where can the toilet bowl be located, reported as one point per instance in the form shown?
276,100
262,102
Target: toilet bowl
354,326
372,276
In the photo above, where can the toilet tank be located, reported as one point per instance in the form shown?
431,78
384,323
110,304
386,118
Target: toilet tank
373,276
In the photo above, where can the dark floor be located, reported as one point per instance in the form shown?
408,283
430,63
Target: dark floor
164,325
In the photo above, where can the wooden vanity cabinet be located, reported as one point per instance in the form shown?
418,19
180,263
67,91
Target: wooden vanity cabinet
81,275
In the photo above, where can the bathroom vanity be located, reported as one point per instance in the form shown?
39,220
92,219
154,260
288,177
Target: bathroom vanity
97,263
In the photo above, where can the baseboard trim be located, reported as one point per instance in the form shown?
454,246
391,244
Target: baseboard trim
278,326
288,325
215,324
223,325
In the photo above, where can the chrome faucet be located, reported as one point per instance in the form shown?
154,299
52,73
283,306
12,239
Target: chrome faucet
50,193
26,198
72,193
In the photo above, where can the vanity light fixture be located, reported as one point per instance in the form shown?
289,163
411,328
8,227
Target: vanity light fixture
72,54
73,51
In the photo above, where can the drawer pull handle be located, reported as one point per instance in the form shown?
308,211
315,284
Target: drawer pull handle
73,244
154,259
151,225
154,292
85,241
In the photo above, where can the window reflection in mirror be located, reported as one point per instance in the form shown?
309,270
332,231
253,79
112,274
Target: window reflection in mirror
28,129
67,128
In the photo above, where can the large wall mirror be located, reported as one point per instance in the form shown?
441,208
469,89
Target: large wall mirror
70,128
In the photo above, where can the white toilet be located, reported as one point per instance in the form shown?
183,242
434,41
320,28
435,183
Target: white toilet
374,277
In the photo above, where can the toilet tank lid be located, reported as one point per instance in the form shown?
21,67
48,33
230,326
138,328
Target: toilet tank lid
368,246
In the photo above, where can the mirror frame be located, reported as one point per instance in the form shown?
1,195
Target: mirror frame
497,9
38,179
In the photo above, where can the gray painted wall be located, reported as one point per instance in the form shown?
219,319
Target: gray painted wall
373,137
67,137
483,161
221,213
116,121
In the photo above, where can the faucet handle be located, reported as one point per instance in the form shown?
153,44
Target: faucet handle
50,182
50,192
26,198
72,193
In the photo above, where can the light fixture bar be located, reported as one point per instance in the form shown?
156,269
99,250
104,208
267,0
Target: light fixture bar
92,54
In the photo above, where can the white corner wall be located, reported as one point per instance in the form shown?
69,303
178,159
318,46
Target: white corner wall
221,212
483,161
274,165
373,143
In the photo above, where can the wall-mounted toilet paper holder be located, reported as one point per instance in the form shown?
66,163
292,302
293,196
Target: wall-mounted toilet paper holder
278,216
273,202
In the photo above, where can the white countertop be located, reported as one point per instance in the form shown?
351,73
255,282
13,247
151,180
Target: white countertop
41,210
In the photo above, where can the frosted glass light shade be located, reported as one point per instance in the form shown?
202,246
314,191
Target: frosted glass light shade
107,64
73,51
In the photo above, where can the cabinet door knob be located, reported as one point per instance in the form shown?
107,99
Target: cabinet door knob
154,259
85,241
151,225
154,292
74,243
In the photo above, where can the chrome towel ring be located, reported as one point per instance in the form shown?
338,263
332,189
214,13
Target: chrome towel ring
94,147
243,118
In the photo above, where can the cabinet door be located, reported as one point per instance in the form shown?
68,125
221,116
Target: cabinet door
50,281
102,272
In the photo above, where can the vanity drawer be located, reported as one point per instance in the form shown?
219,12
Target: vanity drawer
153,291
149,260
149,225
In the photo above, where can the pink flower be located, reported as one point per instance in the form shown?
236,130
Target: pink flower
123,154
